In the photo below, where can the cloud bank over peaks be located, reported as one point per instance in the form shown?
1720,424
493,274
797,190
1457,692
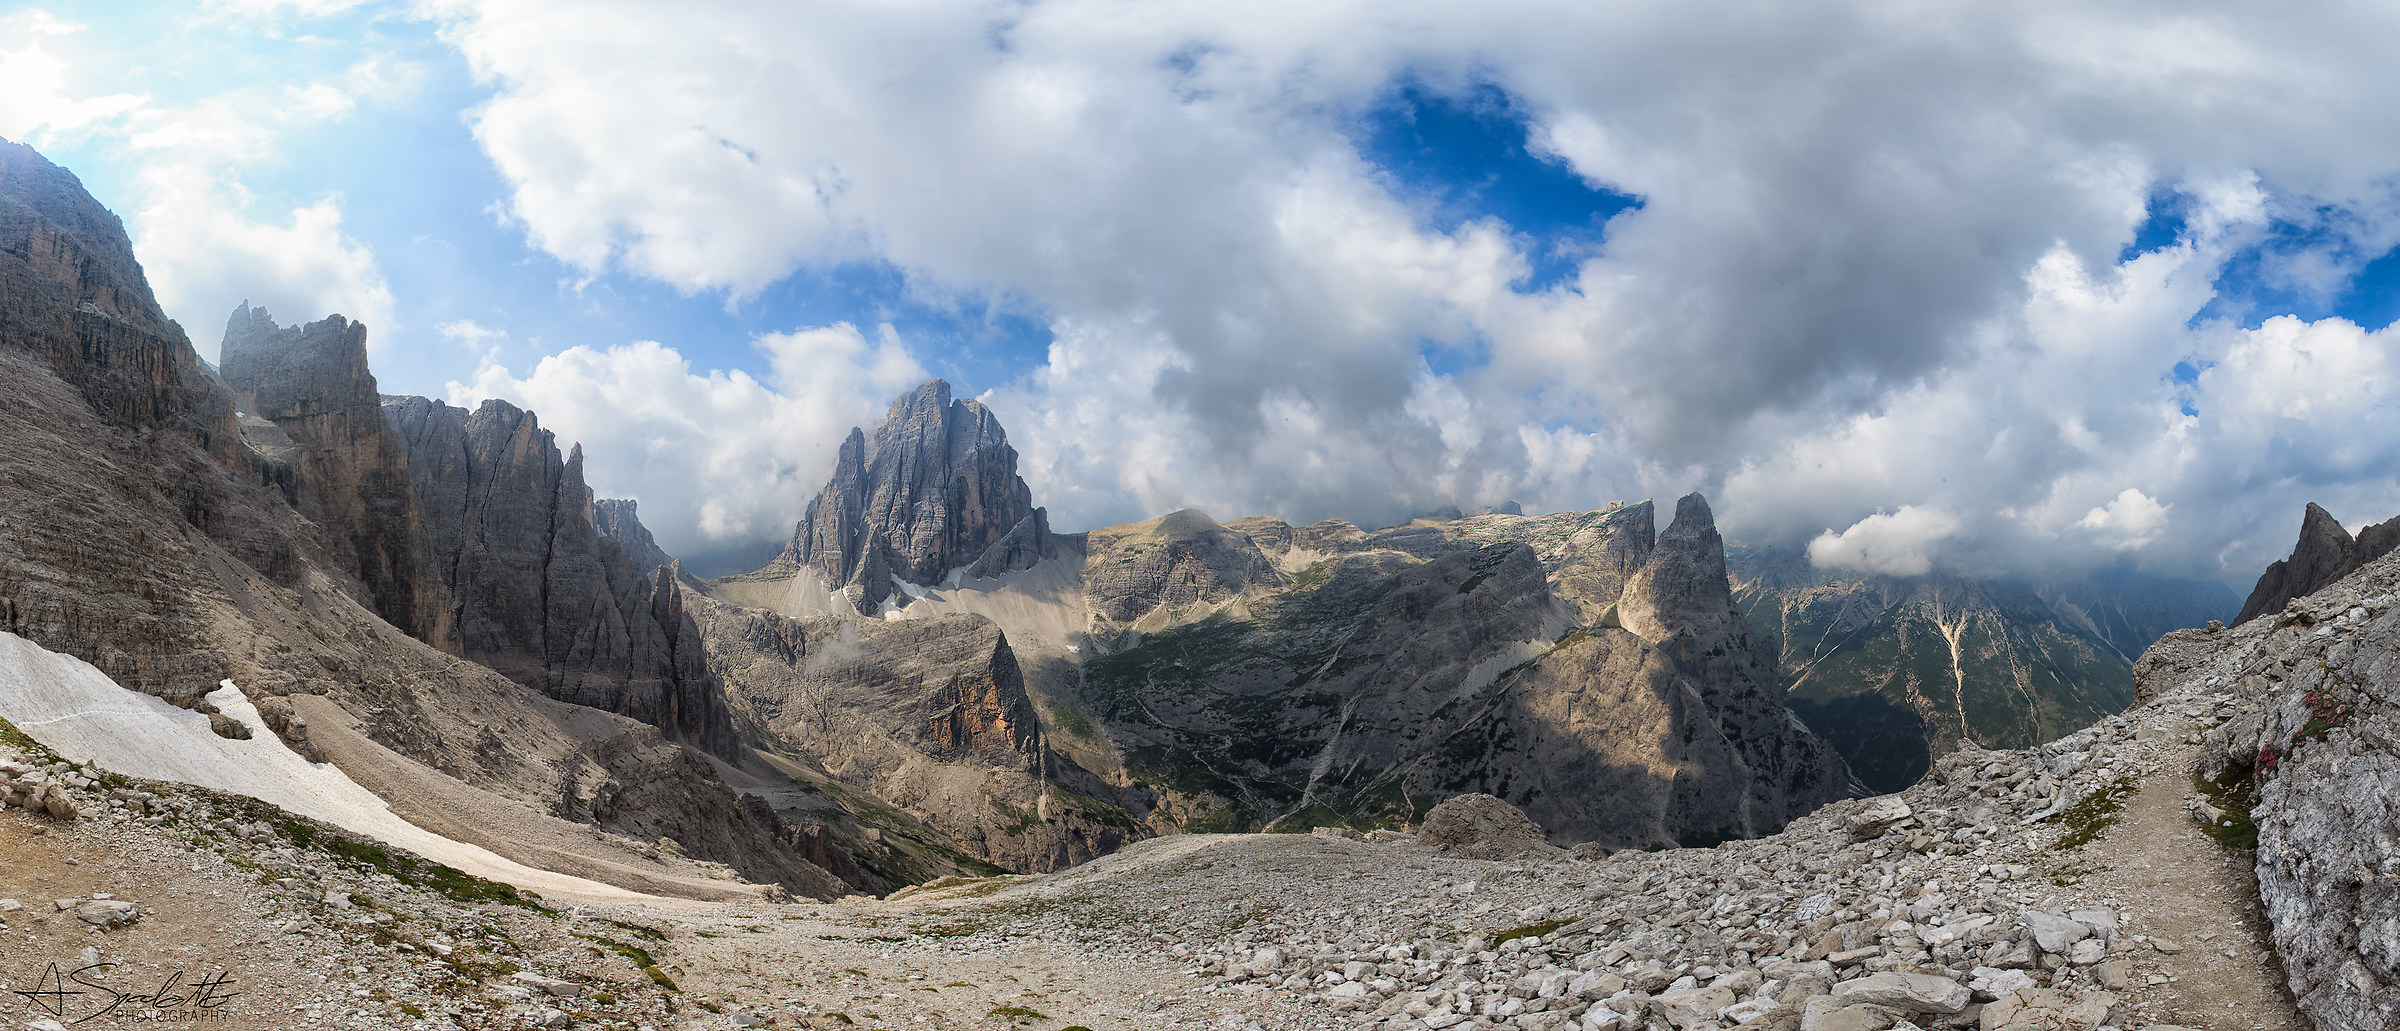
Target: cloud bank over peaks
1876,261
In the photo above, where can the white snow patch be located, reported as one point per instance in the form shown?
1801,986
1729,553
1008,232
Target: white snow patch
78,712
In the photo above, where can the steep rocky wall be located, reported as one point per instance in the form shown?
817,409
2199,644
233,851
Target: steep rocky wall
72,295
539,593
124,469
619,521
349,471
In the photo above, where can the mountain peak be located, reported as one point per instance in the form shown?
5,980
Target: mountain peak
935,489
2324,553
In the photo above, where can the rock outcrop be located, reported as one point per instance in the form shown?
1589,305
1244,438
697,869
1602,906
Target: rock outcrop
929,715
540,594
2324,554
1482,827
935,490
310,405
619,521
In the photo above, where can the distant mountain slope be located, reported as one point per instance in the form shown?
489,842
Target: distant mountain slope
1247,674
1895,670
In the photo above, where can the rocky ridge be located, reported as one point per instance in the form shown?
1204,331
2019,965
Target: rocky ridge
2325,553
309,406
1386,672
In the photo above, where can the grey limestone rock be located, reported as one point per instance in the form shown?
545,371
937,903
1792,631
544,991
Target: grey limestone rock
313,403
619,522
934,490
539,592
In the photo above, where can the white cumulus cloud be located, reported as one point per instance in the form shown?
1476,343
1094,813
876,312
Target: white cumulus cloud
1888,543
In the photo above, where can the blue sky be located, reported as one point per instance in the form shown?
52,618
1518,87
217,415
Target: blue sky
1920,293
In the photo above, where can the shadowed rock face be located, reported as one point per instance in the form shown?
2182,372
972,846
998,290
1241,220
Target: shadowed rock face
72,296
2325,553
123,466
1419,662
620,521
539,593
315,409
935,490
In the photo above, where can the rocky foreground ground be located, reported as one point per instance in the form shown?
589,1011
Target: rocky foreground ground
2069,886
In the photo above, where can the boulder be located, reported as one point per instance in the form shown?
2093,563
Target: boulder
2055,933
2047,1009
1878,816
106,912
1913,993
1690,1006
1480,826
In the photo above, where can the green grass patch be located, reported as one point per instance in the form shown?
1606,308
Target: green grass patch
2234,791
1018,1014
1530,931
638,930
635,953
659,977
2088,819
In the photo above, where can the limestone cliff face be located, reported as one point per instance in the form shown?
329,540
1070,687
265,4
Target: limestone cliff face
123,469
929,715
538,592
317,411
73,297
934,490
2325,553
619,520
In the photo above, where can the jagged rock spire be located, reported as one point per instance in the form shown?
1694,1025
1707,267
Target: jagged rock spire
934,490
